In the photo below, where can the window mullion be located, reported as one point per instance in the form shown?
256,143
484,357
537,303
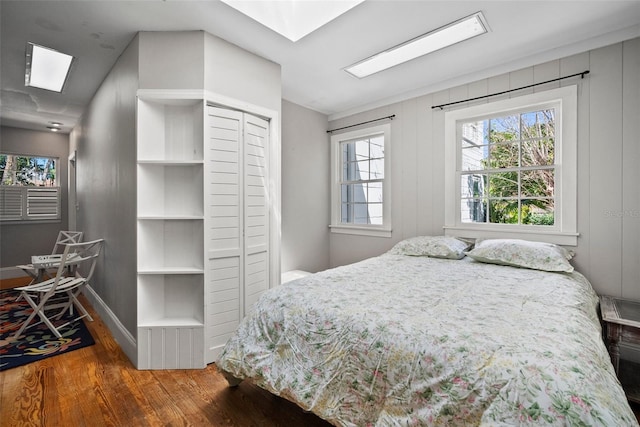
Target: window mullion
362,181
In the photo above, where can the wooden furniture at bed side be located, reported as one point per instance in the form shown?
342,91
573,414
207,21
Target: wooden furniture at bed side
622,322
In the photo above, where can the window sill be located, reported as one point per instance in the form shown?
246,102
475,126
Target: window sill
557,237
361,231
30,221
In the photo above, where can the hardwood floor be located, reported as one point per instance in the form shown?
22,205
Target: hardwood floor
98,386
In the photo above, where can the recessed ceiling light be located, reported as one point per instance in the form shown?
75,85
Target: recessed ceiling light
448,35
56,124
46,68
53,128
293,19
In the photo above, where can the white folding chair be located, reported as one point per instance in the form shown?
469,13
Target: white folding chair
64,237
60,293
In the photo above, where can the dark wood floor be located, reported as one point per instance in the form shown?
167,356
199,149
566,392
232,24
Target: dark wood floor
98,386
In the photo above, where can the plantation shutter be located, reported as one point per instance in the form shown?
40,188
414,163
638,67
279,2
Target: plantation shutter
43,203
29,203
11,206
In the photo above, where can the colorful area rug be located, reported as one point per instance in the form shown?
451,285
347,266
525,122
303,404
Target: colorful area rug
38,342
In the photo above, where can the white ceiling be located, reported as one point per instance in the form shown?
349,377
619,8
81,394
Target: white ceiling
522,33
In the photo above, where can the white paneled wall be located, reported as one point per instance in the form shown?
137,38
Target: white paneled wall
305,189
631,170
608,250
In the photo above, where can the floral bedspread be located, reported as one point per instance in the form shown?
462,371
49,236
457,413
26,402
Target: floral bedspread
397,340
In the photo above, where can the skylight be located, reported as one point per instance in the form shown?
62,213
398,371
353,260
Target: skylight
46,68
293,19
448,35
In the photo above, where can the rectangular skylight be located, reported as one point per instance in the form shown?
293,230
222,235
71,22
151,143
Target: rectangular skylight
293,19
46,68
448,35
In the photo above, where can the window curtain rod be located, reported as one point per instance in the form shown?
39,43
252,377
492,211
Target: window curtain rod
363,123
441,106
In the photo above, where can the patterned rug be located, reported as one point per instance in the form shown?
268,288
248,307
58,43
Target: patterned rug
37,342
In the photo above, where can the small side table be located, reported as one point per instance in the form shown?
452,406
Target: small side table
622,320
43,262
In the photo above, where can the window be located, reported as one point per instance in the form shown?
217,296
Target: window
360,192
29,188
511,168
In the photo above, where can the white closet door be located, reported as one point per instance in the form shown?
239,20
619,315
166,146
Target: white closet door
224,240
237,212
256,209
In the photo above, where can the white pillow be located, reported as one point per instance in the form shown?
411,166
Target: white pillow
522,253
431,246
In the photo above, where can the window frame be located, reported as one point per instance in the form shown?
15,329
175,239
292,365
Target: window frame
31,198
337,226
564,230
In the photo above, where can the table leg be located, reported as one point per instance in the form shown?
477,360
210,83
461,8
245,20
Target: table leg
613,334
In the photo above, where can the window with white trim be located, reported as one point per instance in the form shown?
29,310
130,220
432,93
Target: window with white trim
360,191
29,188
511,168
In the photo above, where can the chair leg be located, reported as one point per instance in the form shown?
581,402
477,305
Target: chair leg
73,301
33,280
25,324
80,307
68,305
46,321
38,309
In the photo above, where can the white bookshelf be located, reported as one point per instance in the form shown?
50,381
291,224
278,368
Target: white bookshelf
170,300
170,232
170,130
171,245
164,186
204,209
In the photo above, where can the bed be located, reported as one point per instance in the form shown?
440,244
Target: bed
421,337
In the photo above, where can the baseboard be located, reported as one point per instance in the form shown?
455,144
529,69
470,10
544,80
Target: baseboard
123,337
11,273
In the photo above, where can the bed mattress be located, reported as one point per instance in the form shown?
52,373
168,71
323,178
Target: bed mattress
400,340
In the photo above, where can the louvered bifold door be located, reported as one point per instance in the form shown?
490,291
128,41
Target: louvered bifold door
224,228
256,209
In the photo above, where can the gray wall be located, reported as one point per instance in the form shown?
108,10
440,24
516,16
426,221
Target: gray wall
105,141
171,60
608,250
19,241
305,189
241,75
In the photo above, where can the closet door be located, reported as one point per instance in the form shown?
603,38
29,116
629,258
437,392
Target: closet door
256,209
237,221
224,241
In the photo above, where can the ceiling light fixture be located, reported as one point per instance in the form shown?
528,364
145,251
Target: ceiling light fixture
46,68
293,19
448,35
53,128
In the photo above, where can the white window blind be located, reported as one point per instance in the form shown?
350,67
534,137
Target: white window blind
29,203
11,208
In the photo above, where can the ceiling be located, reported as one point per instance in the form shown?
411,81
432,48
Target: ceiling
522,33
